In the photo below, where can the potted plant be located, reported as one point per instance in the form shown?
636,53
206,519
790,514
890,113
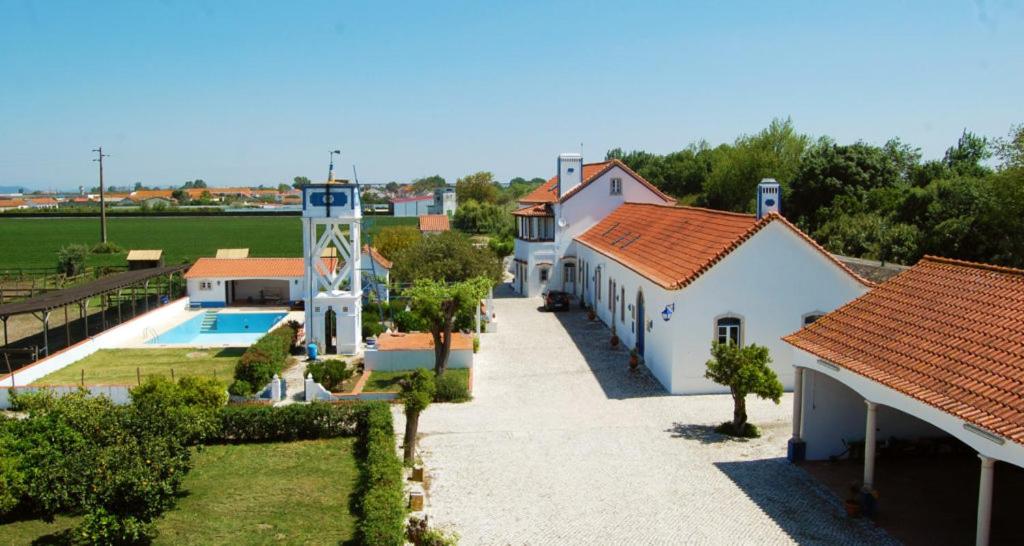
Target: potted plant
852,504
615,337
634,359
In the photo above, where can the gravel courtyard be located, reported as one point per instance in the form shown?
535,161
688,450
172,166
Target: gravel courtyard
563,445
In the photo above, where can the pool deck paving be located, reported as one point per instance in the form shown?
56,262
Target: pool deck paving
563,445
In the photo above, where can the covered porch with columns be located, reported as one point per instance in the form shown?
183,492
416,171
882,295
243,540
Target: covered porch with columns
923,498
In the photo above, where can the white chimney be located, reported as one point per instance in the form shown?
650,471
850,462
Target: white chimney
570,172
769,197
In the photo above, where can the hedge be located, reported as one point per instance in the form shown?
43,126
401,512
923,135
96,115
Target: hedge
382,504
266,357
244,424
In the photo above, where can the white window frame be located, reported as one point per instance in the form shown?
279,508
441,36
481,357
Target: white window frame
718,334
206,285
615,186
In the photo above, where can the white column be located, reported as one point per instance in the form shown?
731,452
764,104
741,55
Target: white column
985,500
798,402
869,446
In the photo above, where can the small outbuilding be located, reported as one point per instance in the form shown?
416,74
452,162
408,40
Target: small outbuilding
434,223
936,352
145,259
232,253
218,282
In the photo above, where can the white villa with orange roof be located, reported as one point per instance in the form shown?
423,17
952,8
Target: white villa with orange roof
667,280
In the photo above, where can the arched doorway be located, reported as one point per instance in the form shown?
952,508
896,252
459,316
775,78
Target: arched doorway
640,322
330,328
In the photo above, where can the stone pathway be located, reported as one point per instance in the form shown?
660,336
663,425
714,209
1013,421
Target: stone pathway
295,380
563,445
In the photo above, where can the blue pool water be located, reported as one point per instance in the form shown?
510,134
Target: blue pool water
212,328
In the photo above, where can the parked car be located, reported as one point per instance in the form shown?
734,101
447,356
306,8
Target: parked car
555,300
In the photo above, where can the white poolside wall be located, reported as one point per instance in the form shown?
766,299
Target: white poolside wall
771,281
387,361
114,337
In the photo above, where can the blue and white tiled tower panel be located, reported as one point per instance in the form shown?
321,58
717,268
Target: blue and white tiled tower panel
331,231
769,197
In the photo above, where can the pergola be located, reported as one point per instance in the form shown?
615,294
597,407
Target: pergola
941,342
106,287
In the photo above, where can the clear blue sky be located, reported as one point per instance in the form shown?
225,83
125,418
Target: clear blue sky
258,92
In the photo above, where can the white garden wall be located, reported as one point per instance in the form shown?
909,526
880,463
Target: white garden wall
387,361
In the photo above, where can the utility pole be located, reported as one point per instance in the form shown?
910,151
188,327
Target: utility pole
103,202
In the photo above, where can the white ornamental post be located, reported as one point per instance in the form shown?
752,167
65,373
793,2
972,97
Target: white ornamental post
275,388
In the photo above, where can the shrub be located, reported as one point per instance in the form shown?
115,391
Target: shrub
205,392
241,387
407,321
451,388
255,367
100,528
420,533
71,260
382,506
749,430
241,424
371,327
476,344
12,476
106,248
329,373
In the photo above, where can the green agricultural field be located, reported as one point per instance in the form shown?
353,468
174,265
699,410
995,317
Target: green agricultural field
272,493
33,242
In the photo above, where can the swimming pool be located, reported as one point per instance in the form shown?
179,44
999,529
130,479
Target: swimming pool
215,328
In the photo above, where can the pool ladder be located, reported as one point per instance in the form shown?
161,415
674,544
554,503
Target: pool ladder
148,334
209,322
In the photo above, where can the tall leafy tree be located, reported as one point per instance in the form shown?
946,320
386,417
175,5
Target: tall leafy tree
392,241
438,303
774,152
448,256
480,187
300,181
417,391
428,183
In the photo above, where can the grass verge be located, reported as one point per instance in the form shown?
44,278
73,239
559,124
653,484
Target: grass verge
118,366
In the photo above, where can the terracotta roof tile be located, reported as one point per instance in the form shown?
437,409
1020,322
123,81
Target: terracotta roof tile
246,267
548,191
386,263
672,246
434,222
420,341
946,332
540,209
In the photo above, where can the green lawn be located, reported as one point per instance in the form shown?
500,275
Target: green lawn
388,381
118,366
274,493
33,242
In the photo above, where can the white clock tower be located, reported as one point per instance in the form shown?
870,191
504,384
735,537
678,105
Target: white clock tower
331,222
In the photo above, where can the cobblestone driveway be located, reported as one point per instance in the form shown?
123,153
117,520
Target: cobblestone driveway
562,445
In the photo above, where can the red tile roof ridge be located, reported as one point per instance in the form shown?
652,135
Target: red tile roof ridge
607,166
975,265
699,209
